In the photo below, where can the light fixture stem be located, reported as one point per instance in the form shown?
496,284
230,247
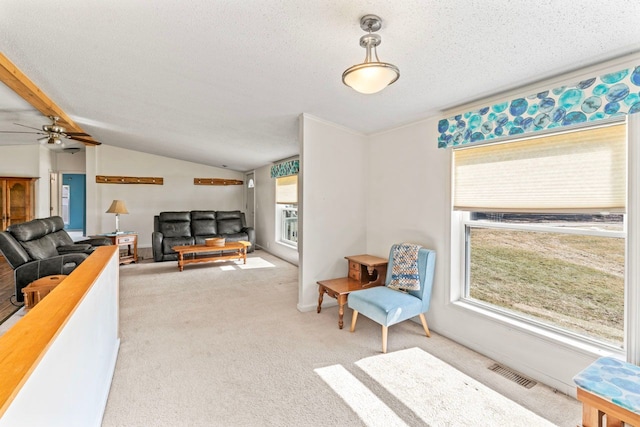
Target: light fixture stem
368,57
375,52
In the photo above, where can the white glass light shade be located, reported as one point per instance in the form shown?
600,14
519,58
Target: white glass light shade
370,77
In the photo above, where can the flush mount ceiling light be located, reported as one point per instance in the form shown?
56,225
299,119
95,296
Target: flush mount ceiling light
370,76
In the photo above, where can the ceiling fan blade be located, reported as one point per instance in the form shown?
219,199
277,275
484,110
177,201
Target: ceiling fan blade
15,131
86,141
25,126
76,134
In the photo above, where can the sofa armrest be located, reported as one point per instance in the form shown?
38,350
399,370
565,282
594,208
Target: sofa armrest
156,245
34,270
96,241
251,234
78,247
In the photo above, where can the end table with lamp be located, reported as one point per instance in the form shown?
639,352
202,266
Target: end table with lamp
129,239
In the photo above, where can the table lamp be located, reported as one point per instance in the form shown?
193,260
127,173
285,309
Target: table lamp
117,207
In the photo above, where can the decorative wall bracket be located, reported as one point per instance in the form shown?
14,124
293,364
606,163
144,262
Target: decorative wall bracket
216,181
103,179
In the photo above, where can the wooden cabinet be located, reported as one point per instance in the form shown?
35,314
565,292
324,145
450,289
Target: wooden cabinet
16,200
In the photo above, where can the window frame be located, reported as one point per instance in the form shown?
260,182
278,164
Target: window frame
631,344
469,223
280,232
283,224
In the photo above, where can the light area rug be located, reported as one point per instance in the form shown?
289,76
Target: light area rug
437,393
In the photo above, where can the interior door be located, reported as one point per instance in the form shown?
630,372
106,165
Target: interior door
250,209
73,199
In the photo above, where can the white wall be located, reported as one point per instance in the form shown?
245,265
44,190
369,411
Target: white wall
333,208
46,165
409,185
144,201
265,199
20,160
71,163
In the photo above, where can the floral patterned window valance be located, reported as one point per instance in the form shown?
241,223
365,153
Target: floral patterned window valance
598,98
292,167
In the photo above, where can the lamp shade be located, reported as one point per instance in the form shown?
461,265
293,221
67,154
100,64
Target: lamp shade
117,207
370,77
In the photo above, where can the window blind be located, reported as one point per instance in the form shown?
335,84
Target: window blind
287,190
579,171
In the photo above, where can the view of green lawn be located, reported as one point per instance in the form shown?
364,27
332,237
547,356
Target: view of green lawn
572,281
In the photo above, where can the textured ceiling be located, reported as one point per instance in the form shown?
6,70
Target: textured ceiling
223,82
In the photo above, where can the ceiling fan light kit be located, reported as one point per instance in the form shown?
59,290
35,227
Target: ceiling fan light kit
372,75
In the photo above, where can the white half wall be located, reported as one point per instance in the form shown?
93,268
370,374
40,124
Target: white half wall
333,208
70,384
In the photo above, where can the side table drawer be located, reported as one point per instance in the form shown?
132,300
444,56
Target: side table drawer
125,239
354,274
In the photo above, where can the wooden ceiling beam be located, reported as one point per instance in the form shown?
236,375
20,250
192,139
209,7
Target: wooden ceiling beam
23,86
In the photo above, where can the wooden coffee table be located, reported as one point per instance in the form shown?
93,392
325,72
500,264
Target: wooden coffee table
204,253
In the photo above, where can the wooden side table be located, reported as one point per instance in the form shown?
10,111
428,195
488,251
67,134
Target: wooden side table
35,291
364,271
129,240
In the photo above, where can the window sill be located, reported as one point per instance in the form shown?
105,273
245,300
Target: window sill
571,341
287,245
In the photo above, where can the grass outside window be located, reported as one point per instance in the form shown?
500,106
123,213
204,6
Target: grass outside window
570,281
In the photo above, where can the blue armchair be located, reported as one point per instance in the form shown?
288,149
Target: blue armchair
387,306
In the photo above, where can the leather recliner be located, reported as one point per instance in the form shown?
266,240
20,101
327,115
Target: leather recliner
192,228
42,247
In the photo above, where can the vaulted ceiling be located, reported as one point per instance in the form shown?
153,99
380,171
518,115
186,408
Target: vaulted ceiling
222,82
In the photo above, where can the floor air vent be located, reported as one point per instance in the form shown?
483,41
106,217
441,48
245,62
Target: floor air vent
512,375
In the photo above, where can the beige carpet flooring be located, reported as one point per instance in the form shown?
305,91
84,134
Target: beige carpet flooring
223,345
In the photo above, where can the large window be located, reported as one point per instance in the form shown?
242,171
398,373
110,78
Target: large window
287,210
544,230
289,224
566,271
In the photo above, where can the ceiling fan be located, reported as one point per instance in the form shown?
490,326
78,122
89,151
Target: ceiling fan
54,133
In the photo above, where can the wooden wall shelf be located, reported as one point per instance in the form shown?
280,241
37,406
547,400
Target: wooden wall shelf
102,179
216,181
